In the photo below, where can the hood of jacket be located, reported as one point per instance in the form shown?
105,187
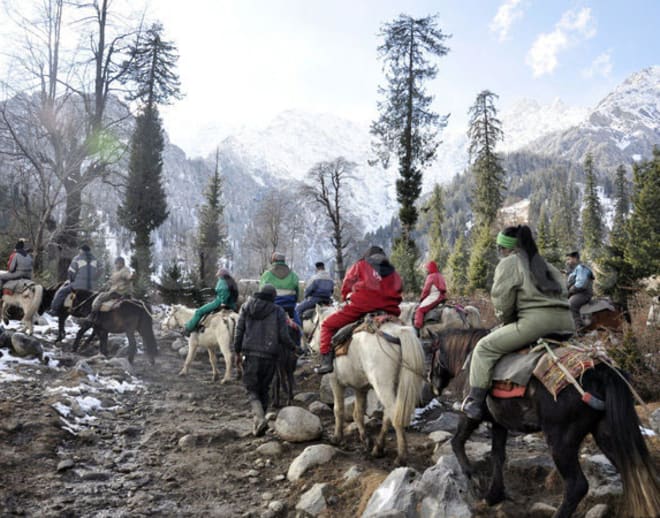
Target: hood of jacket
280,269
431,267
259,309
381,264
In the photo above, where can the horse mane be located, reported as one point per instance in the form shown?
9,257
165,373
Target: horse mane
456,344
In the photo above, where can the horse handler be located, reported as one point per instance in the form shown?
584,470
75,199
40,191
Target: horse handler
261,333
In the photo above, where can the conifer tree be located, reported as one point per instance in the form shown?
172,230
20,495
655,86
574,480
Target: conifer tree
145,206
592,213
458,265
642,250
211,228
546,241
406,127
621,206
435,214
483,259
564,222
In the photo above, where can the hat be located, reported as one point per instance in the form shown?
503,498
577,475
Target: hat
85,248
374,250
268,292
319,265
277,257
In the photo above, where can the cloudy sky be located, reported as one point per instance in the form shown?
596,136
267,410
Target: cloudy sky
244,61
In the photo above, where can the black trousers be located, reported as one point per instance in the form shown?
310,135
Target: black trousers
258,375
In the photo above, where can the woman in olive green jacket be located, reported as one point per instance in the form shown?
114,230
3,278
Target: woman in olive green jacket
530,299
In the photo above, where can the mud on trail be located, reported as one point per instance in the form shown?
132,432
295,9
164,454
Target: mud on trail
96,437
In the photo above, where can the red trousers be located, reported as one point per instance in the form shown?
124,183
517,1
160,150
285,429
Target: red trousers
349,313
424,308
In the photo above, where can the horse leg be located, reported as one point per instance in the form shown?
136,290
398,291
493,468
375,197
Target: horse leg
277,381
338,395
401,445
192,349
214,363
358,417
103,342
132,346
228,355
498,452
564,447
463,432
83,329
61,319
289,380
379,446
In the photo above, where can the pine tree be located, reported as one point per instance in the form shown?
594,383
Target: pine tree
145,206
406,126
483,259
564,223
211,228
404,258
435,213
621,207
592,214
546,241
458,265
642,251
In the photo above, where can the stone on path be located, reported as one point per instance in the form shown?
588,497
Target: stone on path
270,449
313,501
444,490
319,408
541,510
295,424
396,492
311,456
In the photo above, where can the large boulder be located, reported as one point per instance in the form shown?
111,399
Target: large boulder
313,501
295,424
311,456
444,490
396,493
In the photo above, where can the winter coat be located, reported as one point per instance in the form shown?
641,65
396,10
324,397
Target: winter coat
282,278
121,281
226,293
320,286
580,280
433,279
20,265
84,272
373,283
261,329
515,295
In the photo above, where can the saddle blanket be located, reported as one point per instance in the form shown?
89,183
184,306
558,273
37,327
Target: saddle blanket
596,305
370,323
16,286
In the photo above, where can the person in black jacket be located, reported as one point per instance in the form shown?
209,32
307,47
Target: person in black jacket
261,333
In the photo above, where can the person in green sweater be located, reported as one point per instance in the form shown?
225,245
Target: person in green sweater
226,295
530,299
285,281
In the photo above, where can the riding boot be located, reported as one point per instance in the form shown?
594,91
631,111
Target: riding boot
93,316
326,364
473,406
260,423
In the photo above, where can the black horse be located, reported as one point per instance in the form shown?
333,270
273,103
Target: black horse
564,422
129,316
80,308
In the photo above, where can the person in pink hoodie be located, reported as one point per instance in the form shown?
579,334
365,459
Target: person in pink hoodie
433,293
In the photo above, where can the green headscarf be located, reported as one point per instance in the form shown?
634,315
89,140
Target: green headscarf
506,241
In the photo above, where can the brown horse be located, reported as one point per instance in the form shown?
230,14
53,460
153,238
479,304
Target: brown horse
565,423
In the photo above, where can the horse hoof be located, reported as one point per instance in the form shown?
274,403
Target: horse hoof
400,462
182,373
335,440
495,498
377,452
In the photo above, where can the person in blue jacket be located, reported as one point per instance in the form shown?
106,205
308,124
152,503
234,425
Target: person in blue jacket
318,290
226,294
580,286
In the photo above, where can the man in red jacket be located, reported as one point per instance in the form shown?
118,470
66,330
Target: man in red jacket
433,293
371,284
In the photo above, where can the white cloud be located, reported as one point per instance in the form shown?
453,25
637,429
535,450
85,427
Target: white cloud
601,66
504,18
572,28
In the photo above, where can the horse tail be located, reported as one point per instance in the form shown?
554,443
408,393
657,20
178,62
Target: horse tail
641,495
33,308
411,377
147,333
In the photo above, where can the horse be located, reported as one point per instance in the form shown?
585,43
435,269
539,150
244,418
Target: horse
601,314
127,317
394,370
286,366
81,306
565,423
218,331
449,318
28,298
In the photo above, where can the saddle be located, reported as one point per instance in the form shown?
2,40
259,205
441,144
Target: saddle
513,372
435,315
371,323
201,327
17,286
111,304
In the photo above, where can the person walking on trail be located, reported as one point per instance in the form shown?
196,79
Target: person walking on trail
19,265
120,286
580,287
226,296
433,294
83,274
530,299
285,281
261,334
371,284
318,290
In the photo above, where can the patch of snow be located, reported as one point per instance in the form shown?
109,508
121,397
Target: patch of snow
647,431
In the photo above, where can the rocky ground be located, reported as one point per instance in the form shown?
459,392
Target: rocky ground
90,436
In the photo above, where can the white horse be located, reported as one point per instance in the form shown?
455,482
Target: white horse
218,331
27,296
395,371
450,318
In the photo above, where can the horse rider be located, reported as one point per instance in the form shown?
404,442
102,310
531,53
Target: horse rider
530,299
433,294
83,274
261,333
318,290
120,286
371,284
226,296
285,281
580,286
19,265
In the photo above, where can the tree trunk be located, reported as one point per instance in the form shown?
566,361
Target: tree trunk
68,238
